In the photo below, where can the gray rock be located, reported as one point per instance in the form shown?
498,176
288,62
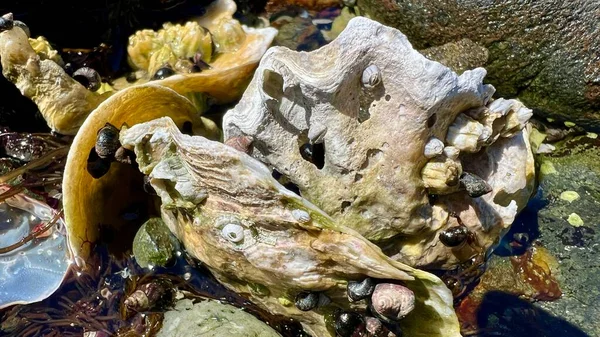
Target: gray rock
570,229
212,319
544,53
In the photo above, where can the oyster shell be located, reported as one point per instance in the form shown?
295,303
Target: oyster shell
63,102
206,187
239,48
121,187
376,171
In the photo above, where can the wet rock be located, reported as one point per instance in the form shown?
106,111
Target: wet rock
212,319
154,245
459,56
570,229
299,34
542,53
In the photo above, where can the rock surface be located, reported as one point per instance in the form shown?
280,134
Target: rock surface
212,319
543,53
349,124
570,185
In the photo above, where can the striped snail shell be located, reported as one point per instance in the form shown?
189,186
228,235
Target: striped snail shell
392,302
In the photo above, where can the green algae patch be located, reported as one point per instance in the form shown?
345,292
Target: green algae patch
569,196
575,220
547,168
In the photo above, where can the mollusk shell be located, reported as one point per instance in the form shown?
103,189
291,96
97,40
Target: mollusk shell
392,301
119,188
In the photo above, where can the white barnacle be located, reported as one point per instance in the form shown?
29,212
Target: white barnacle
233,232
301,216
433,148
371,76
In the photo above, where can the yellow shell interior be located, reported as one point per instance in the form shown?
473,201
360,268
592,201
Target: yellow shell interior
89,203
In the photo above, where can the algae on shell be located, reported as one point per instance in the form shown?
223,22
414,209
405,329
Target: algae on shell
374,174
282,245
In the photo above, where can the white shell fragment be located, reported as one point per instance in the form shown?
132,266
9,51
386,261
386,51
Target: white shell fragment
387,148
233,232
35,270
433,148
371,76
301,216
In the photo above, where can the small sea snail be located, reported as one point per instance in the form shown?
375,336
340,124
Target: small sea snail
88,77
474,185
163,72
233,232
454,236
371,76
301,216
6,22
308,300
347,324
360,290
107,141
392,302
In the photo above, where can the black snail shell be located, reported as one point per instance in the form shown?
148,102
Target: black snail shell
307,300
107,141
474,185
163,72
360,290
6,22
348,323
88,77
454,236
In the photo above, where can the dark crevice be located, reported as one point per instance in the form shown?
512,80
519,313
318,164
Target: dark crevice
314,153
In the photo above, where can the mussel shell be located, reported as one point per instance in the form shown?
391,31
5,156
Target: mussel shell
89,202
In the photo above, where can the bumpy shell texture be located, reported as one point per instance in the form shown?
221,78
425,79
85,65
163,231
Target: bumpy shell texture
373,103
206,185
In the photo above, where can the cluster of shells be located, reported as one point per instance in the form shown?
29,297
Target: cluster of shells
359,163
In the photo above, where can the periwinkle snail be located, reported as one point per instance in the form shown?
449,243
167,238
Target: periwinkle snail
107,141
88,77
392,302
454,236
360,290
6,22
474,185
163,72
348,323
309,300
371,76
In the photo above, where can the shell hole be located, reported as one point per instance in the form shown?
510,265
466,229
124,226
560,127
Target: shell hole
285,181
345,205
431,120
187,128
273,84
387,98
